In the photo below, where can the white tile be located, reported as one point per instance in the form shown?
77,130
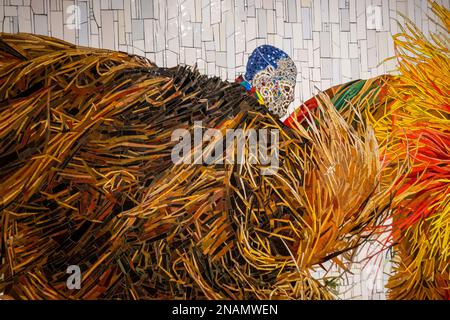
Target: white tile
56,24
271,26
326,69
190,56
306,23
231,53
317,16
336,65
268,4
105,4
149,35
382,44
346,69
251,29
325,44
173,45
197,33
215,8
38,6
361,24
24,14
279,8
10,11
353,50
325,10
261,23
344,44
363,50
291,10
344,19
334,11
222,37
355,69
107,26
297,35
206,31
353,32
221,59
352,10
335,41
118,4
126,14
187,35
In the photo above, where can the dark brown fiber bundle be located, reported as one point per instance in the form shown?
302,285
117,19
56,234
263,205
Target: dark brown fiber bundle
86,178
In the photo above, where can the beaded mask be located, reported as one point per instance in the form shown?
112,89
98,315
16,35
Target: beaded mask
273,75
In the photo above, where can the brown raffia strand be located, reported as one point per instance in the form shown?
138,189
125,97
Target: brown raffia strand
87,179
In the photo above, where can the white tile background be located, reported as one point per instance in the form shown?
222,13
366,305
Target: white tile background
331,42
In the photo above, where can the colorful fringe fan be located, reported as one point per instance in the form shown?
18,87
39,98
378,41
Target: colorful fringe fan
410,115
416,129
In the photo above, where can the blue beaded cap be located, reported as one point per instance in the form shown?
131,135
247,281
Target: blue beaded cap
261,58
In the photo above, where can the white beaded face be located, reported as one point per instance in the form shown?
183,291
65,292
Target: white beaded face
277,85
